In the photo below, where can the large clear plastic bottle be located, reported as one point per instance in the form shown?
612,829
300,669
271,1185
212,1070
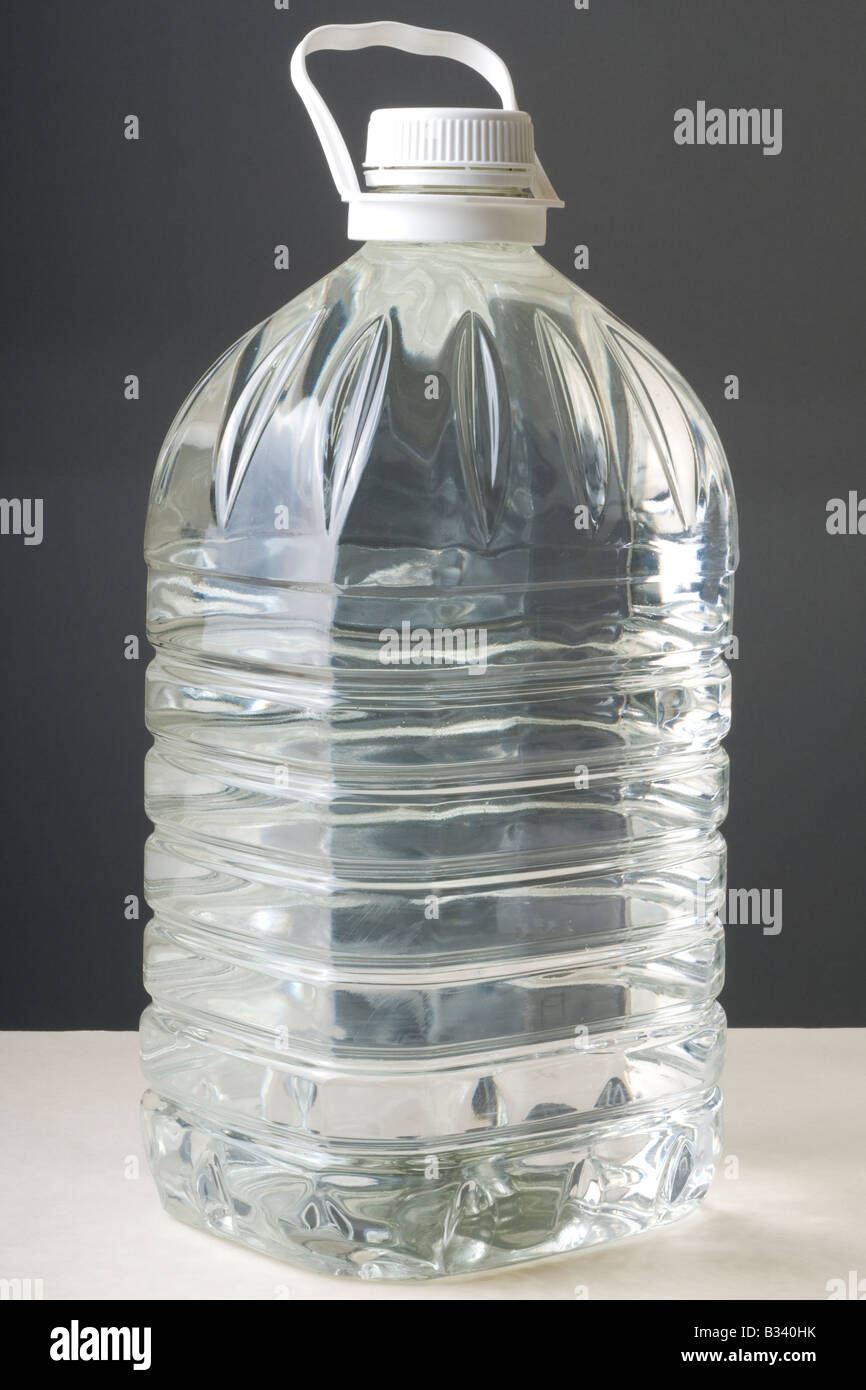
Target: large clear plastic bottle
441,563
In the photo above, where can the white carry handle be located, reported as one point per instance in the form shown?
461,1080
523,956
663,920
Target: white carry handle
437,43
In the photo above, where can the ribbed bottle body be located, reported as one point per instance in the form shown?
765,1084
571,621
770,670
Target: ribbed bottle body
441,566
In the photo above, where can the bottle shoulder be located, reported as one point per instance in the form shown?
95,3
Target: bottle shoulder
468,398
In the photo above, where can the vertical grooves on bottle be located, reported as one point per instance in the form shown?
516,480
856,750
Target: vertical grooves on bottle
483,419
582,437
666,429
351,411
250,413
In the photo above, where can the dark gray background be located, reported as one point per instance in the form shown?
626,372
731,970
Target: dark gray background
151,257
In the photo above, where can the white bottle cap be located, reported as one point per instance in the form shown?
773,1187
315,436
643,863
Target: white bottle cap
457,137
434,173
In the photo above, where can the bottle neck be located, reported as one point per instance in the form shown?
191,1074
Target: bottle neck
438,217
464,254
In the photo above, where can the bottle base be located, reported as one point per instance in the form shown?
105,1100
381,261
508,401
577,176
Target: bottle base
410,1213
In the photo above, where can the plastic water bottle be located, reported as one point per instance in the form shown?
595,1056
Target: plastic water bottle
441,562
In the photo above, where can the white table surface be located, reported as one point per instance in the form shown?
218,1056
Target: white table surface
75,1215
